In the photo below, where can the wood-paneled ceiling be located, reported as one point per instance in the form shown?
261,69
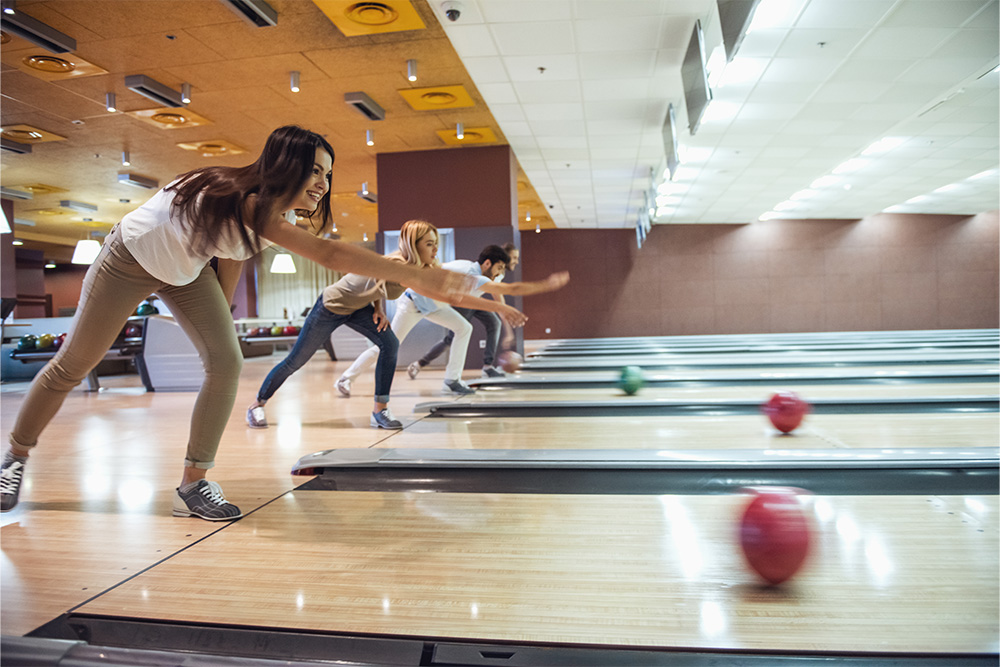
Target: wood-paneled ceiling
240,83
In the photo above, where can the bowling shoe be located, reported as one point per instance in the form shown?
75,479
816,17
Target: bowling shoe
206,501
492,372
10,484
457,387
344,386
383,419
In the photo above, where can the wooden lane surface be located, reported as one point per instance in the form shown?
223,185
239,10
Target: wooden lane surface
899,573
891,431
762,392
97,494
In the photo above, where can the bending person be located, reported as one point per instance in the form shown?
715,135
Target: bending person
358,302
413,307
492,265
164,247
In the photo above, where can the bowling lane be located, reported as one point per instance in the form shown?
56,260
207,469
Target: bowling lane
885,431
761,392
886,574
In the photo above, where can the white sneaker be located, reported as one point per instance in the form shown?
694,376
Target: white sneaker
256,417
413,370
344,386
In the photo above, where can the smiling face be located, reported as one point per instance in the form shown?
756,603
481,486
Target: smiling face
427,247
317,184
515,257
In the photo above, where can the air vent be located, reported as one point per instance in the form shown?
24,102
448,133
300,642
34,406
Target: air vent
14,146
154,90
365,105
37,32
138,181
11,193
256,12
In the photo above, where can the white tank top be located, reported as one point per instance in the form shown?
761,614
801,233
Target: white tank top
156,236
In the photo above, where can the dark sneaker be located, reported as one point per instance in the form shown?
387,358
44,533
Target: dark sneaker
413,370
10,485
457,387
256,417
383,419
205,501
491,372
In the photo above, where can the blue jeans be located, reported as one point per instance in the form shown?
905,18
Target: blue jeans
317,329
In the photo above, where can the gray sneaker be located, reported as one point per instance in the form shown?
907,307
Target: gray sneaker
413,370
256,417
344,386
457,387
205,501
493,372
10,485
383,419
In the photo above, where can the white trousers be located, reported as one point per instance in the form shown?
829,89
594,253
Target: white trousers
406,318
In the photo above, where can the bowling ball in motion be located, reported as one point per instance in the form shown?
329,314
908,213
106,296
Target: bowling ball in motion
27,342
775,533
631,380
510,361
786,409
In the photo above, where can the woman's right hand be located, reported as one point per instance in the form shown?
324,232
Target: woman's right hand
441,284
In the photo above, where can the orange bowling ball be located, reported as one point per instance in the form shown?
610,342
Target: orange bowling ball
510,361
775,533
786,410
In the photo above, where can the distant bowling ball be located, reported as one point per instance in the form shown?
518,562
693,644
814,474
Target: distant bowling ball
510,361
259,331
290,331
277,331
44,341
133,331
786,410
774,533
146,309
631,380
27,342
58,342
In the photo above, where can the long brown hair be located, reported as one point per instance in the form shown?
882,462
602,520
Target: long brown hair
212,198
411,232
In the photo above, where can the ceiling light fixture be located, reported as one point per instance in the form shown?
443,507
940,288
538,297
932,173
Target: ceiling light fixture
35,31
50,265
294,83
12,146
186,93
365,105
17,242
365,238
283,263
370,137
138,181
78,206
8,6
538,228
10,193
126,162
154,90
366,195
411,70
86,251
109,102
527,216
459,131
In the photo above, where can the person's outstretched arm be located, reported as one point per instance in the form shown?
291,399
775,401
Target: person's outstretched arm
553,282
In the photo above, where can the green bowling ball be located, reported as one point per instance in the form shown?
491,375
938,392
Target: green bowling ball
146,309
631,380
27,342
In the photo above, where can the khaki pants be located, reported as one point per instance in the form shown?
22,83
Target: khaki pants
112,288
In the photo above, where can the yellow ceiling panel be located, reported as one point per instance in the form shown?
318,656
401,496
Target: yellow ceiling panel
354,17
57,68
472,135
437,97
169,118
29,134
213,148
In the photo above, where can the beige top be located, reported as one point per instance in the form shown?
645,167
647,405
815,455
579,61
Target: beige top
354,292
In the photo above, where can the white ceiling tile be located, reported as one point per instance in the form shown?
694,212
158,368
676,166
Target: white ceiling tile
942,71
820,44
565,154
763,43
556,68
558,127
858,69
562,142
618,34
980,44
783,92
514,11
497,93
507,112
539,92
921,14
536,112
612,65
902,43
616,89
472,40
843,14
534,39
485,70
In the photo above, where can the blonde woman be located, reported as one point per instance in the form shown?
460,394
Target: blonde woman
421,238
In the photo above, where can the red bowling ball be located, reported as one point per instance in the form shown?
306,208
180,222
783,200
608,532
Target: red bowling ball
775,533
786,410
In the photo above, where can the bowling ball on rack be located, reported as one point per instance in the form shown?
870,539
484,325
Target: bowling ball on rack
631,380
58,342
510,361
133,331
277,330
786,410
44,341
146,309
290,331
27,342
774,533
